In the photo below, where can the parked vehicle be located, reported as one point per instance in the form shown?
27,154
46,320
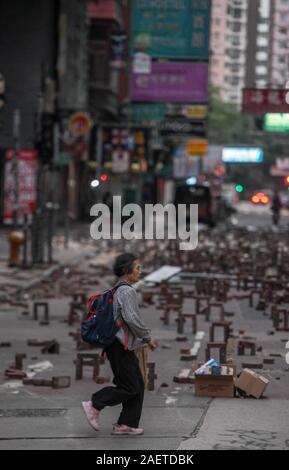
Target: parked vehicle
211,206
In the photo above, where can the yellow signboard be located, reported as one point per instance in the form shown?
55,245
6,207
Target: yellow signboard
195,111
197,147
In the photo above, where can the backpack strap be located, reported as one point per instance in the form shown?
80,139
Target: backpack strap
90,302
121,283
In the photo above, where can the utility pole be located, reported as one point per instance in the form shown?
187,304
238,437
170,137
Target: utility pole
15,164
99,155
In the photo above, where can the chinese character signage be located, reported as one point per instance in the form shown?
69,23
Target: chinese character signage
173,29
182,127
27,168
261,101
177,82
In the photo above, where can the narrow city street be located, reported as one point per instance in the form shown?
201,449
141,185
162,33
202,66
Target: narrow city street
41,417
144,229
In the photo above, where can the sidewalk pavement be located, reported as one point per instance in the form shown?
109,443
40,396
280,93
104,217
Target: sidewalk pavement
13,278
173,417
243,425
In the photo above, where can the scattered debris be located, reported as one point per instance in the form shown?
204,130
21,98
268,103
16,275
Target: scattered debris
252,383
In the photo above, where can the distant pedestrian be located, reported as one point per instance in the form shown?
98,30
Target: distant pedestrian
276,208
128,380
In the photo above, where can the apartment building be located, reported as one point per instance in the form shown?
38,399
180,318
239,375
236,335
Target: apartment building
228,47
249,45
278,70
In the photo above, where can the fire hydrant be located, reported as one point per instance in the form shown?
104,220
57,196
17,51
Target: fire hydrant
16,240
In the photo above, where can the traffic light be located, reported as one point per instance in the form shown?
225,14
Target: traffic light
239,188
287,180
103,178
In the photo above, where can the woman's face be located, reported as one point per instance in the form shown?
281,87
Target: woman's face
135,275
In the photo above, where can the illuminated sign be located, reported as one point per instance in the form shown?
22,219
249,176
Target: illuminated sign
242,155
191,180
197,147
276,122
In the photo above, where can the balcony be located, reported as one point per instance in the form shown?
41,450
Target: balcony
103,81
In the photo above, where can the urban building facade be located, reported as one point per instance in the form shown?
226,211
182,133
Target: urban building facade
249,45
279,43
257,70
228,47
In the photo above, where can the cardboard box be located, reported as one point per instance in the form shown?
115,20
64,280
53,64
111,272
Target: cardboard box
214,386
252,383
232,365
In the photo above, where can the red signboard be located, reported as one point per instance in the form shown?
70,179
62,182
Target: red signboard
261,101
27,167
102,9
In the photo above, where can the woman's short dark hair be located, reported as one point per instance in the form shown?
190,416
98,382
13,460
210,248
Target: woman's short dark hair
124,264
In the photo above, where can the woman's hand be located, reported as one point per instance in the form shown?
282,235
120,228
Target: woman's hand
153,344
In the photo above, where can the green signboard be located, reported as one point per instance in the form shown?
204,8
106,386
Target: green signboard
173,29
276,122
148,112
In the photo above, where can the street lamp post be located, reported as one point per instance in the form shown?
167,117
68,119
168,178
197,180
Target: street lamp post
15,164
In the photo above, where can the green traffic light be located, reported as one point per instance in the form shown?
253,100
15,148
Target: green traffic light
239,188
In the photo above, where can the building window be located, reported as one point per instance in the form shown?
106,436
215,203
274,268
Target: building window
261,70
261,83
263,28
237,13
234,54
283,30
262,56
282,44
236,27
283,16
262,42
235,68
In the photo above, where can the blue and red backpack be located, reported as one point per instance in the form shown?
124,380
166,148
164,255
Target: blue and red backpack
100,327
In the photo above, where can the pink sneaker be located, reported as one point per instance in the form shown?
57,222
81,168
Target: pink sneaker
122,429
92,414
